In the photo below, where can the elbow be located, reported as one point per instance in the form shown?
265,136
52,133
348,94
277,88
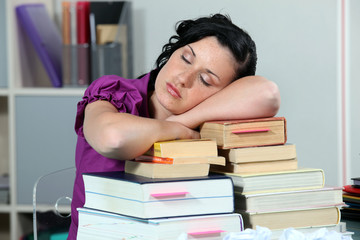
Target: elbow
274,99
112,143
270,98
108,142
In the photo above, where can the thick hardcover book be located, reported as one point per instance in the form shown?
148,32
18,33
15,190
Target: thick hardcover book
302,217
159,170
303,178
259,154
356,181
352,190
95,224
184,148
351,198
146,198
277,201
45,37
216,160
246,133
257,167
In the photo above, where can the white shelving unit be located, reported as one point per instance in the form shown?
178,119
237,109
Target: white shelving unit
34,123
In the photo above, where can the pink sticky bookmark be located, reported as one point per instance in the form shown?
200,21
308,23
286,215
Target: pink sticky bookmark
251,130
170,194
206,232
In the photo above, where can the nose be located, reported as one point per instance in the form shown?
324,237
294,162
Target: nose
186,78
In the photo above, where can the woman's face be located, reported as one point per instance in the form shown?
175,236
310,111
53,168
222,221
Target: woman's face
193,73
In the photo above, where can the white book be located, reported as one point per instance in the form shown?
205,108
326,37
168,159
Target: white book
274,201
142,197
291,180
95,224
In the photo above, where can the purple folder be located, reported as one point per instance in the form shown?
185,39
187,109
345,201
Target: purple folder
45,37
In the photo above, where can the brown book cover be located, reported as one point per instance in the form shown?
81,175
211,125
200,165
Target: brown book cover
246,133
158,170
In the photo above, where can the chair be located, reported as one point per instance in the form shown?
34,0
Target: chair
52,195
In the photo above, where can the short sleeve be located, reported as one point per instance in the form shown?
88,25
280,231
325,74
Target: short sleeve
120,92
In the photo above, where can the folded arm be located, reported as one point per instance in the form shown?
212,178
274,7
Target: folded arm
248,97
125,136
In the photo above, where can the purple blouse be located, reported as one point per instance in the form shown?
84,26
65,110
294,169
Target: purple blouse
127,95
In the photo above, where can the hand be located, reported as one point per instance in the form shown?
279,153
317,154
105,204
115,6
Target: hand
182,131
185,120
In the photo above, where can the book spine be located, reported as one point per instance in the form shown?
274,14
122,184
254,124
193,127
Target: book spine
154,159
250,130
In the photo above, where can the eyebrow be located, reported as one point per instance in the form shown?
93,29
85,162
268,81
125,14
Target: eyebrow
208,70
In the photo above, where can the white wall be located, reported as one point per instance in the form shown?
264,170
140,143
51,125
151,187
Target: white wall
298,45
353,89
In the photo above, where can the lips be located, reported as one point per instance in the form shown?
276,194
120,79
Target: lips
173,90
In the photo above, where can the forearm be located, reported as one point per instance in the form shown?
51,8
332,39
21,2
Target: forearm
125,136
249,97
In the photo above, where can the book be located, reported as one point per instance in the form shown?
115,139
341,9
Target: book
259,154
302,178
82,22
141,197
65,24
184,148
356,181
66,40
351,198
351,189
288,199
352,213
158,170
83,40
246,133
257,167
296,218
44,36
181,160
102,225
341,227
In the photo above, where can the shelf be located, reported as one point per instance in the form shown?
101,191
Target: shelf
5,208
49,91
4,92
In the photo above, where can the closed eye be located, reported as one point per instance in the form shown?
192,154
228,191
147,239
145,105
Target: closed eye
203,81
185,60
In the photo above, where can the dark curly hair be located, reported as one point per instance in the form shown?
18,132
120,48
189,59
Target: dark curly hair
228,34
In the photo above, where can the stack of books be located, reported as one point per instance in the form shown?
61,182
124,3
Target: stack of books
270,189
351,212
351,197
177,158
166,194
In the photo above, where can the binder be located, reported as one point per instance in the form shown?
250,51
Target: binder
45,37
110,54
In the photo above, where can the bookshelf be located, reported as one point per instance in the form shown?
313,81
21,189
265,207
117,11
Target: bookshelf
36,126
36,120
